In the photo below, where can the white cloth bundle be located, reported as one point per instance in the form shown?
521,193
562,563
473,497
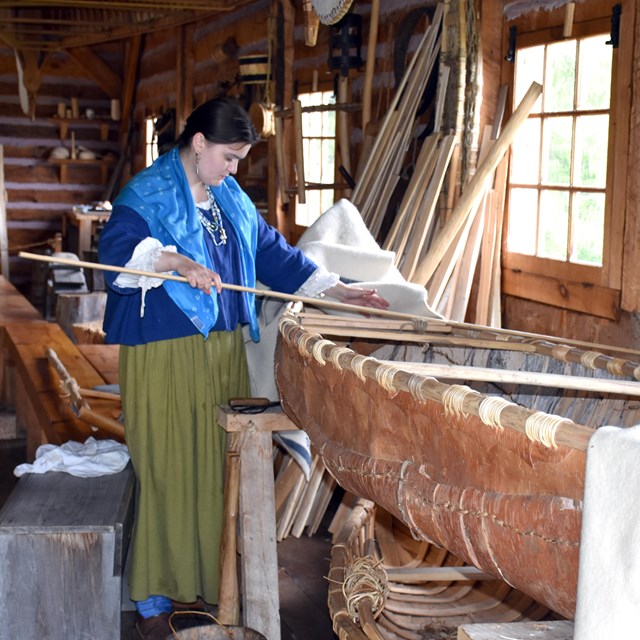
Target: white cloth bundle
608,602
93,458
340,241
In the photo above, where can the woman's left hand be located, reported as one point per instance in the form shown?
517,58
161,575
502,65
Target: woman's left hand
352,294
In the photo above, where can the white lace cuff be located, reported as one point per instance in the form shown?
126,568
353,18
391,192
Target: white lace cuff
320,280
144,258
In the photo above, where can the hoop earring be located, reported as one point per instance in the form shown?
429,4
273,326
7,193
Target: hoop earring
198,164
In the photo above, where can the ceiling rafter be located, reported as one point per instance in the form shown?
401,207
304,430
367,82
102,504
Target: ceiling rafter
48,26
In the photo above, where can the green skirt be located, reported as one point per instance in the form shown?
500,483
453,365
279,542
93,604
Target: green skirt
171,391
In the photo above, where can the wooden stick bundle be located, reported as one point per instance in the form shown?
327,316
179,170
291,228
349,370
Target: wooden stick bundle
476,187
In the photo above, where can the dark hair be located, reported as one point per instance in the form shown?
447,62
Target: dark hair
221,121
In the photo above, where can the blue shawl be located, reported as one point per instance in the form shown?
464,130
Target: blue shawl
162,197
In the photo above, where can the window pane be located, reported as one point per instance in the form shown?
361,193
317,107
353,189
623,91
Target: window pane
315,124
592,136
525,153
328,160
556,151
554,225
588,228
523,207
529,68
313,168
594,73
560,73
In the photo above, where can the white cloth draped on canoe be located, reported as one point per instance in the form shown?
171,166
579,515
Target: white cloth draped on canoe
608,602
340,241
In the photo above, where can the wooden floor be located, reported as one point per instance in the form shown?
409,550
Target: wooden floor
303,565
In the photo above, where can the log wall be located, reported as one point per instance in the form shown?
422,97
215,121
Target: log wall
36,197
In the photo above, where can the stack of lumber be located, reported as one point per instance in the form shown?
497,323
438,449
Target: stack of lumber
446,235
300,503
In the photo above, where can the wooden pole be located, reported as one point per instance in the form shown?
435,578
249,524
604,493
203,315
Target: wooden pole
569,11
4,241
505,376
297,119
475,189
229,600
321,302
374,19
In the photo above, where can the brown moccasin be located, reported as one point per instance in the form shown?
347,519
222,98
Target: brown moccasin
197,605
154,628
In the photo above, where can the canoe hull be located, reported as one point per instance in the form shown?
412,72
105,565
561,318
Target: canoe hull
493,497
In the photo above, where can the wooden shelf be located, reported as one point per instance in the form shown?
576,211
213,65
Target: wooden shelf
63,124
63,163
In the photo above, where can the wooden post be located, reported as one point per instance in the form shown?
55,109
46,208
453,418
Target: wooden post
4,241
297,119
256,516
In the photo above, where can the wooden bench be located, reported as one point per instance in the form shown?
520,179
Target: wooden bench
16,309
40,409
63,544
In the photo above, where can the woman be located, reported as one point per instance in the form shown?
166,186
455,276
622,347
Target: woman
182,352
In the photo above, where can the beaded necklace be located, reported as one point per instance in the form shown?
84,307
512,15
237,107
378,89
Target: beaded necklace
214,226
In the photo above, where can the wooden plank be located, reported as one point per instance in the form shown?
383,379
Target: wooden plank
590,299
439,574
476,187
105,359
14,307
259,561
272,419
551,630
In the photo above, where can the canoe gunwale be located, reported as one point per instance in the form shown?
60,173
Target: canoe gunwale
546,429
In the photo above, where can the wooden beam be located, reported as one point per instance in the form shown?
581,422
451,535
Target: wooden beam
97,69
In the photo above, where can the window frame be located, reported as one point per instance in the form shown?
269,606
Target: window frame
591,289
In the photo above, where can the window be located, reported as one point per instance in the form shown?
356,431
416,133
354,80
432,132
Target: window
151,141
563,239
558,173
319,152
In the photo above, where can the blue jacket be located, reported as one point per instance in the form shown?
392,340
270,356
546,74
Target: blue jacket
157,202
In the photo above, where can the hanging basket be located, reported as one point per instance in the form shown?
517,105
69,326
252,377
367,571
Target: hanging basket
263,118
331,11
254,69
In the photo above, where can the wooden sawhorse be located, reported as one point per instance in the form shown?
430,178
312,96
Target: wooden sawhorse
250,506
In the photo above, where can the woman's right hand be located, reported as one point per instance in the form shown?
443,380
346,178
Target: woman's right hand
198,276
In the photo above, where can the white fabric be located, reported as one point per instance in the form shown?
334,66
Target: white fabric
93,458
608,601
339,241
319,281
144,257
298,446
